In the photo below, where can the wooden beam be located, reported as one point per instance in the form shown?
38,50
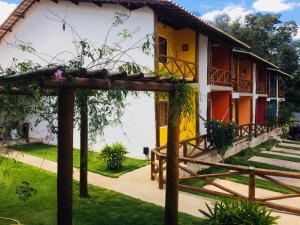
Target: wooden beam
6,29
65,156
84,147
19,15
171,201
104,84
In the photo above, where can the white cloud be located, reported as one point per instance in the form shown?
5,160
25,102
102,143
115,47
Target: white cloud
234,12
297,37
274,6
5,10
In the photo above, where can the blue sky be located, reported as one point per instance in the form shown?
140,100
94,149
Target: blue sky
288,9
210,9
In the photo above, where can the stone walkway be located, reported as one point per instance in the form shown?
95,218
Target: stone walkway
286,150
277,162
281,153
290,145
137,184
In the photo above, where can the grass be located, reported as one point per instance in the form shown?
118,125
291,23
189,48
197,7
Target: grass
102,207
49,152
242,159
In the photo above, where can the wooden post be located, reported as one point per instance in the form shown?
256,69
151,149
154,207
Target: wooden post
160,173
157,125
252,186
152,165
171,203
84,148
238,74
185,151
65,156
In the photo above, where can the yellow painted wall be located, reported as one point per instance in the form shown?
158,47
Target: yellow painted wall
187,126
176,39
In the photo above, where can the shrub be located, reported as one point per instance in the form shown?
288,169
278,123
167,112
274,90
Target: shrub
238,212
113,155
221,135
285,113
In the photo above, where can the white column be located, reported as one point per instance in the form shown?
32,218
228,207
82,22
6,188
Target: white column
254,71
202,68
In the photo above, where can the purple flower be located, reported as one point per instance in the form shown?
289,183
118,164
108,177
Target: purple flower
58,74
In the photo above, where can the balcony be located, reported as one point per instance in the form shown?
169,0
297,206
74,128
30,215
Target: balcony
178,67
219,77
273,93
261,88
243,85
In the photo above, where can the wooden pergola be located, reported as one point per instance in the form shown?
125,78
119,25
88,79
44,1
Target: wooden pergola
97,80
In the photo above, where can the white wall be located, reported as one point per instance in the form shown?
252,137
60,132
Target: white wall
203,63
41,28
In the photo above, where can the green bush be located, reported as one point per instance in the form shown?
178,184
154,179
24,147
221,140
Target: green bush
221,135
238,212
113,155
285,113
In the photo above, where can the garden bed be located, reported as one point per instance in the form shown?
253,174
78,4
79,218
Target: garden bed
95,165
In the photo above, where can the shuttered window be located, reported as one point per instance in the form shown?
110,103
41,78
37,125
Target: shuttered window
163,114
162,49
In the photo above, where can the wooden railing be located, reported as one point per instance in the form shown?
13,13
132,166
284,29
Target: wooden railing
252,174
179,67
192,147
242,85
261,88
219,77
195,147
244,131
158,165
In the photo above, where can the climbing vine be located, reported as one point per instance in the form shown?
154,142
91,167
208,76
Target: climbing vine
182,101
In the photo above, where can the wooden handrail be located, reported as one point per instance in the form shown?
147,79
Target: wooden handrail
261,88
179,67
219,76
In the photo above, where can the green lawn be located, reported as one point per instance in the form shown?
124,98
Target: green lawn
50,152
103,207
242,159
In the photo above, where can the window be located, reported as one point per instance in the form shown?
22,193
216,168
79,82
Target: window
163,114
162,49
